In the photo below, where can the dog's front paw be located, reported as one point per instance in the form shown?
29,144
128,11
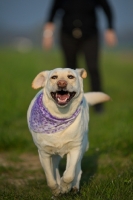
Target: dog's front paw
65,187
56,191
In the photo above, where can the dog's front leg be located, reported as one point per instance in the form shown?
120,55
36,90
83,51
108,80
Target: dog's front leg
46,162
72,158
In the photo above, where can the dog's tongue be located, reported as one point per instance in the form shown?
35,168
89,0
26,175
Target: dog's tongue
62,98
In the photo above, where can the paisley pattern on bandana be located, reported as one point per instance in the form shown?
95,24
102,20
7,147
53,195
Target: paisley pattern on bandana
41,121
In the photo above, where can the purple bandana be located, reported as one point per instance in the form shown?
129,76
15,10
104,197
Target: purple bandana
41,121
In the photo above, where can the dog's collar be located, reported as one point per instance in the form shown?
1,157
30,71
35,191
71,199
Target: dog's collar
41,121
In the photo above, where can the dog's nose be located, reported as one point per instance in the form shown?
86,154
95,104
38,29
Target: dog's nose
62,83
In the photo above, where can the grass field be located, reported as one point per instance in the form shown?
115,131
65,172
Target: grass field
107,166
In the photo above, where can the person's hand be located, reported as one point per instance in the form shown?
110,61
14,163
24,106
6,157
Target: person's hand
47,43
47,40
110,37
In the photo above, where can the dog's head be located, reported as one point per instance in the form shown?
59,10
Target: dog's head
62,85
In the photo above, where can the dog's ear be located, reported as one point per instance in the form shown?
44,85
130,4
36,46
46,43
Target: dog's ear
82,72
39,80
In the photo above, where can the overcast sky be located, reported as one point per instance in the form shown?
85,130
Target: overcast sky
25,14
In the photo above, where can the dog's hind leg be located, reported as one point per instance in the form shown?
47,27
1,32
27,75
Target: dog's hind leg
55,160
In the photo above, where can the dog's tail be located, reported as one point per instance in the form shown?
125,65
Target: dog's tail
96,97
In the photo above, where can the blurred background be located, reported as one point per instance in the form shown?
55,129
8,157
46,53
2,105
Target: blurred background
108,165
21,22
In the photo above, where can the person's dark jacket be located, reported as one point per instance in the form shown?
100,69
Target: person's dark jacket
81,14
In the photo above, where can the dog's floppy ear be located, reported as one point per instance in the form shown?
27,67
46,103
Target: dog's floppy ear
82,72
39,80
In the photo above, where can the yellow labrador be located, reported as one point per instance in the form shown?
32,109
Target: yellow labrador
58,121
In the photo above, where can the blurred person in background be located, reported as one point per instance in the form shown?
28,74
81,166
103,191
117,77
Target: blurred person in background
79,33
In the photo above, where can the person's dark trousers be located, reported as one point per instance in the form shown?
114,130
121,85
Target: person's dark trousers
90,48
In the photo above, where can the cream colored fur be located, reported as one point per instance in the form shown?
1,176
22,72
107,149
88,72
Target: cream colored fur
73,141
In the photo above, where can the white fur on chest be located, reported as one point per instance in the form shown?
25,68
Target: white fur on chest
62,142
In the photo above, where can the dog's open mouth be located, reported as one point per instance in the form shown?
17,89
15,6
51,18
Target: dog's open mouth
62,97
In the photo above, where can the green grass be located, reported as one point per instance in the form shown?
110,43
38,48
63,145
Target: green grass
107,166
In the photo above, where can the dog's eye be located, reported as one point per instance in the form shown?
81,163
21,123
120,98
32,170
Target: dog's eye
70,76
54,77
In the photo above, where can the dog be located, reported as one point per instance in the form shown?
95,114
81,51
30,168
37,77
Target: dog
58,119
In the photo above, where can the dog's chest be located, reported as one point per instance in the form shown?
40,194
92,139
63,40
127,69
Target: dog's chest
59,150
61,143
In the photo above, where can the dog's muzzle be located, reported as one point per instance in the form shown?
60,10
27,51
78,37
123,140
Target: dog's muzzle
62,96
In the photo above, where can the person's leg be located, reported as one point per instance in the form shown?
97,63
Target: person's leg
69,48
91,52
